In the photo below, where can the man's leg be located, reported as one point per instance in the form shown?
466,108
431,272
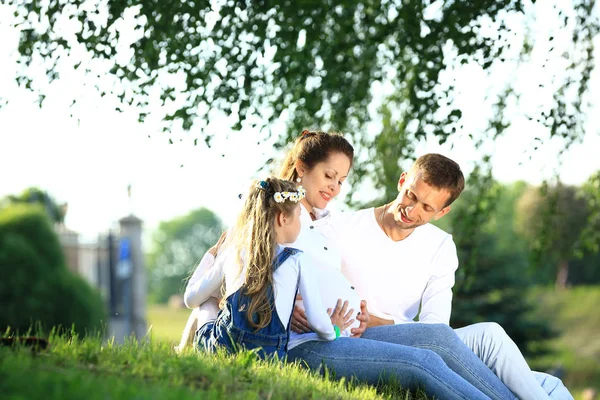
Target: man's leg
375,363
553,386
442,340
489,341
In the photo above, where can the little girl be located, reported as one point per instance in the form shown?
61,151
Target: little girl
262,278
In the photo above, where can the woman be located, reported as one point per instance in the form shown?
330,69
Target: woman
321,163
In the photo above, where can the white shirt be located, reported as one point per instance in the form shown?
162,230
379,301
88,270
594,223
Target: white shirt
395,278
207,282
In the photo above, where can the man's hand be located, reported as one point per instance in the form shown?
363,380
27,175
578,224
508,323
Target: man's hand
364,317
215,249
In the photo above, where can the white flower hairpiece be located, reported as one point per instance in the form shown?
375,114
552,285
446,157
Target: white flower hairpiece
294,197
280,197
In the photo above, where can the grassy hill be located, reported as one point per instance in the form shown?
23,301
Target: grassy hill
92,369
77,369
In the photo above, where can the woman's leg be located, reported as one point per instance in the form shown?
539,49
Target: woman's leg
496,349
199,316
442,340
375,362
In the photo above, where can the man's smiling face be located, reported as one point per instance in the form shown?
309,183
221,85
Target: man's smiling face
418,202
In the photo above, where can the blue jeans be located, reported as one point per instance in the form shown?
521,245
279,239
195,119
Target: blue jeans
374,363
378,361
380,356
442,340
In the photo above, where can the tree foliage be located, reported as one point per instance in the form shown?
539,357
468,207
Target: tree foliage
553,219
590,236
318,59
256,57
33,195
177,246
36,288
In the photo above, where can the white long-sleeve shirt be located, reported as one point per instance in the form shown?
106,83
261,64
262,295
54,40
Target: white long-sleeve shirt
395,278
205,284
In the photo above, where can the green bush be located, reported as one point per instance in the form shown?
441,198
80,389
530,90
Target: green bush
36,288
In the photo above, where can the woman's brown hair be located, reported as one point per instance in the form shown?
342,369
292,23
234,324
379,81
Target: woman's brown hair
311,148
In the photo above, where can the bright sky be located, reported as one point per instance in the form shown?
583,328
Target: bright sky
90,163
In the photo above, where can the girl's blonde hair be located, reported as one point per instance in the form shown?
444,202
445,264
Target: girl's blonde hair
254,238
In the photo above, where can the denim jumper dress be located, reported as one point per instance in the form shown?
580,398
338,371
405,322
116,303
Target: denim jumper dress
232,331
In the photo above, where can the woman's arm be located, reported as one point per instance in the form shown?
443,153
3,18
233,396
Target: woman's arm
204,278
204,282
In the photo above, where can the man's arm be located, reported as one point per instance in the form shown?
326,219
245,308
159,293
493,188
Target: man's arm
436,303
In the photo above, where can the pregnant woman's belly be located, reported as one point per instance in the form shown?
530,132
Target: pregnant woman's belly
335,286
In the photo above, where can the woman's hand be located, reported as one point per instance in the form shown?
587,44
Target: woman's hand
340,316
215,249
364,318
299,322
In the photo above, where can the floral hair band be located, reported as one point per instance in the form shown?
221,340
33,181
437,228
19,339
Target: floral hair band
294,197
280,197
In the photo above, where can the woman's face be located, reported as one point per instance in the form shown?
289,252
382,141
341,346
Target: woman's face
323,182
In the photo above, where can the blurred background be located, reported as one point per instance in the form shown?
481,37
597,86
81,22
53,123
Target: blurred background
128,129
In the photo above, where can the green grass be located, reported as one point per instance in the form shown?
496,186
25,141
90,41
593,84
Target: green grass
76,369
575,314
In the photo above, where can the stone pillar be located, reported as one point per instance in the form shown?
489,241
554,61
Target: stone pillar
131,228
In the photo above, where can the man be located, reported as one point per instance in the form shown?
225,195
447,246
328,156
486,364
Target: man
403,267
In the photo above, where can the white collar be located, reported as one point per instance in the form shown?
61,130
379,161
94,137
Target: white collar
305,217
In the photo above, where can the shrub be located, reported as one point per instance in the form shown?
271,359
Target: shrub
35,285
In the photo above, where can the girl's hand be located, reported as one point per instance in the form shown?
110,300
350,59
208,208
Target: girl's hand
340,316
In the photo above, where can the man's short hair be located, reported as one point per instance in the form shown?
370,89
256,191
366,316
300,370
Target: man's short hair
440,172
